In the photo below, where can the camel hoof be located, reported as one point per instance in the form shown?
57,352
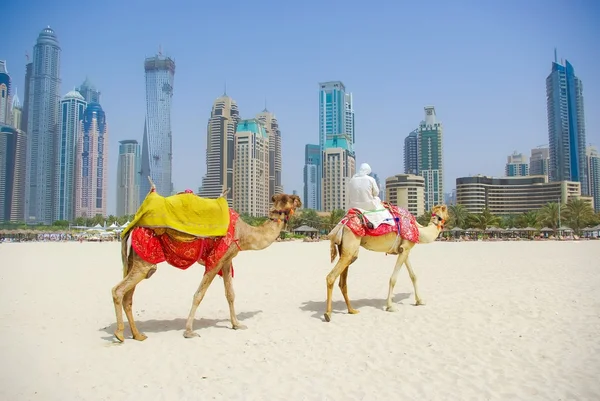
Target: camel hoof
391,308
353,311
119,335
327,316
420,302
140,337
240,327
190,334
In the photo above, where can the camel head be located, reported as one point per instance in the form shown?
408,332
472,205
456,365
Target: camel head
284,207
439,215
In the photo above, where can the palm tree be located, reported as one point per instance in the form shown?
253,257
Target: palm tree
528,219
334,217
578,214
424,219
509,221
484,219
459,216
548,215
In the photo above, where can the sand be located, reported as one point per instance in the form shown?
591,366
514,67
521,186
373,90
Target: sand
503,321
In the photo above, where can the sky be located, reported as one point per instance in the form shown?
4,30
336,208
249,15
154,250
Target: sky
483,65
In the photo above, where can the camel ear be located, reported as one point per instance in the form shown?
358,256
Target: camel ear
275,198
444,208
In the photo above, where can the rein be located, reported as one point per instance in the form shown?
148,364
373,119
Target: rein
285,213
440,222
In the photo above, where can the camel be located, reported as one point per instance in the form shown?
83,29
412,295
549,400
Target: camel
244,238
343,239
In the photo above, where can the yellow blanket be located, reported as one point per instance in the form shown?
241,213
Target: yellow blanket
187,213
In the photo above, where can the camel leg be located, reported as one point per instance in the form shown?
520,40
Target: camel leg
399,262
413,277
230,294
344,288
348,252
198,296
136,274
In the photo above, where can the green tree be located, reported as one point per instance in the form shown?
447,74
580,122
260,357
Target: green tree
484,219
578,214
459,216
548,215
528,219
61,223
424,219
509,221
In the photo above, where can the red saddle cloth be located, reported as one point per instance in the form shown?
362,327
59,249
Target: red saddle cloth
404,221
155,249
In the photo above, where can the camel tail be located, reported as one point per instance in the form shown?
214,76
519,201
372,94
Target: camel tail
125,250
335,241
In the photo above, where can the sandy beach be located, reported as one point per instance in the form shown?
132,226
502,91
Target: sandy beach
503,321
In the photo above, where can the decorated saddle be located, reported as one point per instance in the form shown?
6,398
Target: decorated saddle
185,213
391,219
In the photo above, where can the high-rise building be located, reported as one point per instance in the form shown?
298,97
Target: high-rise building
566,125
406,191
275,165
42,124
431,162
5,95
516,165
157,152
251,169
539,160
13,165
17,113
71,113
25,115
593,168
220,149
336,142
89,92
336,116
128,177
91,163
339,166
312,177
411,153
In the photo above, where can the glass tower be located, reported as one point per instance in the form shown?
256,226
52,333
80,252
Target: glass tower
157,153
566,125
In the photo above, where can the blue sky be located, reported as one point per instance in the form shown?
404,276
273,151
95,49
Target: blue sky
483,67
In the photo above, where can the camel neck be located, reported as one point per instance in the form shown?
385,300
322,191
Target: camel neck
429,233
257,238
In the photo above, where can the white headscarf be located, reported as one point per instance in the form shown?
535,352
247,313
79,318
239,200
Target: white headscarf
364,170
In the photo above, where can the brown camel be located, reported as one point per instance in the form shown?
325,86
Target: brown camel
246,238
348,244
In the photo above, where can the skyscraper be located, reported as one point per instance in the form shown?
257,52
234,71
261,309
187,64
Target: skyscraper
336,142
89,92
42,124
516,165
566,125
593,167
91,163
336,116
431,163
157,149
251,169
275,165
71,113
338,167
411,153
312,177
220,149
5,94
539,160
13,155
25,115
128,177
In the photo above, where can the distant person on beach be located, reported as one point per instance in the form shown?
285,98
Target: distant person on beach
363,192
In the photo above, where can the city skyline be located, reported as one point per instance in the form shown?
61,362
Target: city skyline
478,102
